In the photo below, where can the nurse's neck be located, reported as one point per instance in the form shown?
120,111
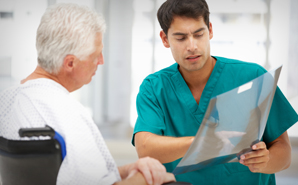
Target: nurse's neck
198,78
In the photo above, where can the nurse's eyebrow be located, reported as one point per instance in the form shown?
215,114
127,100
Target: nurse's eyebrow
183,34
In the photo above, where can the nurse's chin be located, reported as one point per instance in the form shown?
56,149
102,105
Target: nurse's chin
194,68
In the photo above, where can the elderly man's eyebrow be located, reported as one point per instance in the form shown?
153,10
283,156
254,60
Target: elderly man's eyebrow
183,34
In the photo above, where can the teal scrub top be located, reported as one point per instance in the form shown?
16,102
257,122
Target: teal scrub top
166,107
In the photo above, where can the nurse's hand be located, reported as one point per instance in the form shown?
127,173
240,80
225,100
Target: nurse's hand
257,159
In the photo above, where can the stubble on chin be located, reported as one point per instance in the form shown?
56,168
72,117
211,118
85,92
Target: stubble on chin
194,67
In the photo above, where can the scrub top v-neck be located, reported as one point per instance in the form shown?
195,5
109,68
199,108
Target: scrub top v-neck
197,110
166,107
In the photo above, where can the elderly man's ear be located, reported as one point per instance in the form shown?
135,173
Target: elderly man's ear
69,63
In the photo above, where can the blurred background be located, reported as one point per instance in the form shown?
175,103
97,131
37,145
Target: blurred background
259,31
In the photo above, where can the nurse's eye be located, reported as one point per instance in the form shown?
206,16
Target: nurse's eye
181,38
198,36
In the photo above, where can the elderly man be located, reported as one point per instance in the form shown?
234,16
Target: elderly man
69,46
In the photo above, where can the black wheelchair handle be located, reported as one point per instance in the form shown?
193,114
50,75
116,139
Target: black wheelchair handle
38,131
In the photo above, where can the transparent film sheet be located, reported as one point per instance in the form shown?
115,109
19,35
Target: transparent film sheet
233,122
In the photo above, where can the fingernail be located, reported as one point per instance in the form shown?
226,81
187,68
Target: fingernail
242,157
241,161
254,147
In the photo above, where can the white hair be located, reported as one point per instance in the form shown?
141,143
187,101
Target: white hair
66,29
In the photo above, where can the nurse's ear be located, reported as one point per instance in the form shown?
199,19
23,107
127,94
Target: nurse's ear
210,31
164,39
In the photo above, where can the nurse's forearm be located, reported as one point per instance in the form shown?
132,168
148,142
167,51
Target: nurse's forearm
165,149
279,154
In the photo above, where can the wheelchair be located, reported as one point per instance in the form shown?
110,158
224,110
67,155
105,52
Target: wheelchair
31,161
34,162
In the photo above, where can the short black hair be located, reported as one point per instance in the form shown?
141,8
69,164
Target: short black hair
182,8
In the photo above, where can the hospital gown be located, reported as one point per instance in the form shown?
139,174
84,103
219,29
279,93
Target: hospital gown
41,102
166,107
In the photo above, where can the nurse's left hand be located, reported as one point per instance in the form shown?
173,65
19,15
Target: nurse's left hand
257,159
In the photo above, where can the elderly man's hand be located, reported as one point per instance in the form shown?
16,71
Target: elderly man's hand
153,171
257,159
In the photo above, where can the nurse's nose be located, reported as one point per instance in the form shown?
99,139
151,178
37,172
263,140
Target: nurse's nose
192,44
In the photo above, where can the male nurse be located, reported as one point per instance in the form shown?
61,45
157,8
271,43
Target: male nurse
171,103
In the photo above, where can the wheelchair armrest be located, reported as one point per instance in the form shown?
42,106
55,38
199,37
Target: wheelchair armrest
42,131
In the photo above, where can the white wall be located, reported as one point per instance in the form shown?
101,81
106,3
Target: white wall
18,34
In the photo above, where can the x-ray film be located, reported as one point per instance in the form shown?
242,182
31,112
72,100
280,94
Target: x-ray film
233,122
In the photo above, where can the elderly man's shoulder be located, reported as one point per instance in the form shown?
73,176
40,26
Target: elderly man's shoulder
44,95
